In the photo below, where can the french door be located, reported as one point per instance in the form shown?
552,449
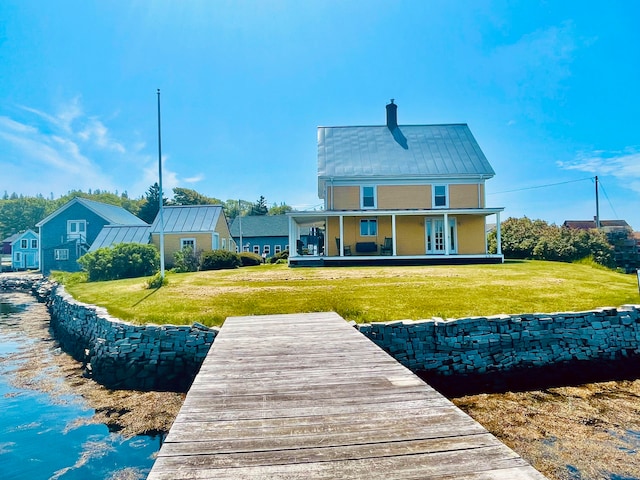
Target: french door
435,237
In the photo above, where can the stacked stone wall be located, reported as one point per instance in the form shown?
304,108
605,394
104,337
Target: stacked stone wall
118,354
505,342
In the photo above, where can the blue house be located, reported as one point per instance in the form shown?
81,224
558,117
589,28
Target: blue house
268,234
67,233
24,251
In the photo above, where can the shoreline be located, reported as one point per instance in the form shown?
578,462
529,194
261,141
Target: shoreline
128,412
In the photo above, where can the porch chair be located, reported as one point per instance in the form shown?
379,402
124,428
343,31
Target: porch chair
387,247
347,248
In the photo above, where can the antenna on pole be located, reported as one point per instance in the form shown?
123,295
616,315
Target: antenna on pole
597,205
161,218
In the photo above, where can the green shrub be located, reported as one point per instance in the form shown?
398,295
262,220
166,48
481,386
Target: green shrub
157,281
125,260
278,257
219,259
538,240
249,259
185,260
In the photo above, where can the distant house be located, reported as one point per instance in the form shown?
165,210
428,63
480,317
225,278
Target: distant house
201,227
6,244
267,234
607,226
399,194
67,233
25,251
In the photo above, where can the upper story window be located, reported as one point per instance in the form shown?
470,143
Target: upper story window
368,197
34,243
23,243
440,196
368,227
76,229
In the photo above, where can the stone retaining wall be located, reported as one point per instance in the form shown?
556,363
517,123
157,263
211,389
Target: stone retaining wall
118,354
505,342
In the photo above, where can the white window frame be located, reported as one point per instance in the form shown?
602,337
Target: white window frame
266,249
256,249
61,254
434,196
224,243
430,235
277,248
374,197
17,257
188,242
368,231
80,229
34,243
216,241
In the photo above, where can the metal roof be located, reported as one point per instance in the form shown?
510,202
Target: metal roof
408,151
111,235
261,226
113,214
188,219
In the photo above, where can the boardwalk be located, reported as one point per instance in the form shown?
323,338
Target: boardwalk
309,397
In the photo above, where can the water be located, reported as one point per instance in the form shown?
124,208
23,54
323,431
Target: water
45,433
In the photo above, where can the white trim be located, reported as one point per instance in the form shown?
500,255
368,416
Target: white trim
188,240
79,233
61,254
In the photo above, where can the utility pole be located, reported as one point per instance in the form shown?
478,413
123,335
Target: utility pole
597,206
160,218
240,226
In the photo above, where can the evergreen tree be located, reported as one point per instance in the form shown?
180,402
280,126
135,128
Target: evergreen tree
151,204
260,207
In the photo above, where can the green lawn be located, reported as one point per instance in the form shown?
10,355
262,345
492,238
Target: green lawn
364,294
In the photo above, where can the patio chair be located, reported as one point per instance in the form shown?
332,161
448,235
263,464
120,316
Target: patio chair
347,248
387,247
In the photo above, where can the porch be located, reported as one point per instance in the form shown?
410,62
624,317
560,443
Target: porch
396,237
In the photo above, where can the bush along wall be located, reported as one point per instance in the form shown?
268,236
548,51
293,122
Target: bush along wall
120,355
503,343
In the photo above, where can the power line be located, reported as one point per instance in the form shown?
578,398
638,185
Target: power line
541,186
608,199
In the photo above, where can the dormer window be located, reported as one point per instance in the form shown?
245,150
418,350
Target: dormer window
368,197
440,196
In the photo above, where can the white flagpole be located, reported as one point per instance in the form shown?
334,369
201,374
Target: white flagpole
161,219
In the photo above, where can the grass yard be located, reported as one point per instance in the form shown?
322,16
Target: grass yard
364,294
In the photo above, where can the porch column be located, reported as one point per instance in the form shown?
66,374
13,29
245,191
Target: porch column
498,236
341,252
393,234
446,234
293,251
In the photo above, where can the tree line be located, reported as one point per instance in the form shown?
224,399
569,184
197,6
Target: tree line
19,212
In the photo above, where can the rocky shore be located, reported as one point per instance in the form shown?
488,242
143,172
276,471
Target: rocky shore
45,367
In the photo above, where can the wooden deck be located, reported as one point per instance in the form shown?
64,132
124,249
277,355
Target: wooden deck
309,397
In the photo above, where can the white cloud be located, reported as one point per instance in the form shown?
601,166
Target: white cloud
194,179
624,165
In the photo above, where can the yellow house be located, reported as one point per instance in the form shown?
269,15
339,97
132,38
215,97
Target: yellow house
398,195
201,227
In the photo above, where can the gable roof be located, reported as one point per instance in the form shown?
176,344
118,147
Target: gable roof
114,234
261,226
111,213
418,151
188,218
18,236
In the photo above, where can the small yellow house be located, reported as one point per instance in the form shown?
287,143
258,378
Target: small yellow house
201,227
399,195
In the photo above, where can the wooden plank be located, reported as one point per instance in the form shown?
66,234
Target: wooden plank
307,396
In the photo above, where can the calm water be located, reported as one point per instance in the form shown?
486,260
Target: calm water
43,435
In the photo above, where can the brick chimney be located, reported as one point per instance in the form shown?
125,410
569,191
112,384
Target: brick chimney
392,116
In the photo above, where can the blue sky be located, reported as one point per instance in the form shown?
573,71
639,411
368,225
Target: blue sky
549,89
